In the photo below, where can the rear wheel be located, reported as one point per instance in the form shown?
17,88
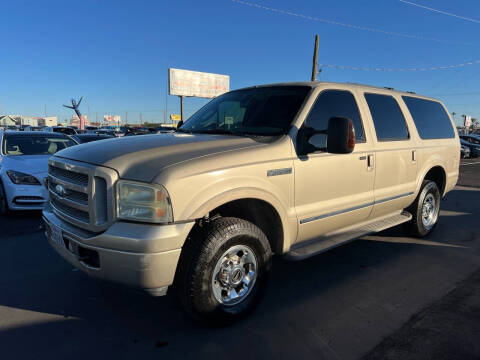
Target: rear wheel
424,210
4,209
224,270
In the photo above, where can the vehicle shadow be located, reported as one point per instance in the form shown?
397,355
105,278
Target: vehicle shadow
77,317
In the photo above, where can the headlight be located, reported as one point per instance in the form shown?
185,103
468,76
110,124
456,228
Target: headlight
22,179
143,202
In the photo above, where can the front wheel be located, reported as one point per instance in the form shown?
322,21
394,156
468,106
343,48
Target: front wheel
424,210
225,270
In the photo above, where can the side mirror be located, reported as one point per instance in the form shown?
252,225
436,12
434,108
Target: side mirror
341,135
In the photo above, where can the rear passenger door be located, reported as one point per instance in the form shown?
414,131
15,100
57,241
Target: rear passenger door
395,155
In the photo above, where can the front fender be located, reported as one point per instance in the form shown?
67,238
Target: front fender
289,223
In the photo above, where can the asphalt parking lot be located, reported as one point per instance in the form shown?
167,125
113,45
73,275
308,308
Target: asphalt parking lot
383,297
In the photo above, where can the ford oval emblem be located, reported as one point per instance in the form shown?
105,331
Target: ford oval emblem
60,190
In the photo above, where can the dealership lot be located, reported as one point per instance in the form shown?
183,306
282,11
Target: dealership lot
367,298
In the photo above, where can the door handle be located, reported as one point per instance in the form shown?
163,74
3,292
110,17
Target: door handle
414,155
370,162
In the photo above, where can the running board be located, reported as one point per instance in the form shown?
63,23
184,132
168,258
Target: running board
329,241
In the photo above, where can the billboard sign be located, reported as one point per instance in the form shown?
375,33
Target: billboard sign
468,120
112,118
199,84
175,117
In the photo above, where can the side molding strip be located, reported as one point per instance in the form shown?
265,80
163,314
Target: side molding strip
393,197
303,221
338,212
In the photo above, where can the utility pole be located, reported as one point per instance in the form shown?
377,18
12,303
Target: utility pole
181,107
315,59
96,117
166,100
126,117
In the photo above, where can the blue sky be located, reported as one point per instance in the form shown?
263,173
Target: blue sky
116,53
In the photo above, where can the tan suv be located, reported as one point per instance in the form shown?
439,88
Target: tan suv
291,169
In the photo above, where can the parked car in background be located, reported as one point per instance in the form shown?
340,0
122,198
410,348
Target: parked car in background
105,132
61,129
472,142
24,167
137,131
116,130
165,129
464,151
86,138
89,129
34,128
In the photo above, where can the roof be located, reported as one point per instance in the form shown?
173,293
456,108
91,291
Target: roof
364,87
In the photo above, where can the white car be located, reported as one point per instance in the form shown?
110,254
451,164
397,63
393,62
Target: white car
24,167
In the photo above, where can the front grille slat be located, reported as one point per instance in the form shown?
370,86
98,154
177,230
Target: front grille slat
67,175
76,214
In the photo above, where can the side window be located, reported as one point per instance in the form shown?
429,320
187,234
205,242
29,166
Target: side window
334,103
430,118
387,117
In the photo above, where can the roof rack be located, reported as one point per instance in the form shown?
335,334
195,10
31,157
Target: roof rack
388,88
411,92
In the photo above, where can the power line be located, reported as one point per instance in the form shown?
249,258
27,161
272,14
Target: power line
440,11
350,26
433,68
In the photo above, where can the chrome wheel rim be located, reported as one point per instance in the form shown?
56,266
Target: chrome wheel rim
234,275
429,211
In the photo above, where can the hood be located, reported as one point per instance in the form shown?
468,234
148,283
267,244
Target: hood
28,164
142,157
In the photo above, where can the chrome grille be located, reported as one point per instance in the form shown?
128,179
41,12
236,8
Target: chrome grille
82,194
70,194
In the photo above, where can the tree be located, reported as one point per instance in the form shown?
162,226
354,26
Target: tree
474,124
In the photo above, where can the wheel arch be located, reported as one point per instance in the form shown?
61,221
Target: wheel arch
436,173
257,206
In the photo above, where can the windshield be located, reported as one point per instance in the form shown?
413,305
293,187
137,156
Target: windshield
257,111
35,145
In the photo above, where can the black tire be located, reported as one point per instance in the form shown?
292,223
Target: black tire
4,209
201,255
416,226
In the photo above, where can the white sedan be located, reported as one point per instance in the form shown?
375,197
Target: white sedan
24,167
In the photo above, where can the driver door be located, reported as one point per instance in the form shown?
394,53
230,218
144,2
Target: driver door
333,191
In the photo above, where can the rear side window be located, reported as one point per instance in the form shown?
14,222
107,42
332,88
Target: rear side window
387,117
430,118
334,103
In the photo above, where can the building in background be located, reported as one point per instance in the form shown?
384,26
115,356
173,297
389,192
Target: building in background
48,121
75,121
7,120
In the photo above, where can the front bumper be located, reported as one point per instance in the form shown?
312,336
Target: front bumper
136,255
25,197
